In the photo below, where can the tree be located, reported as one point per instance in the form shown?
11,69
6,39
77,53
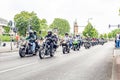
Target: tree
7,29
114,32
101,36
25,19
43,27
89,31
109,35
62,25
105,35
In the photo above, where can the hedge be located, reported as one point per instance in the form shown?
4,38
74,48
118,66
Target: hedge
5,38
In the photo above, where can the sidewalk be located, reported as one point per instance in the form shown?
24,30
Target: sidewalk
116,65
7,48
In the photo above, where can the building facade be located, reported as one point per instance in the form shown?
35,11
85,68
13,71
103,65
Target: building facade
3,23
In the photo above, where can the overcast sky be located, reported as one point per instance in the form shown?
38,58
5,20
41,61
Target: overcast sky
102,12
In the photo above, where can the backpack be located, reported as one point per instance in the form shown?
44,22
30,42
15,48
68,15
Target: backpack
119,36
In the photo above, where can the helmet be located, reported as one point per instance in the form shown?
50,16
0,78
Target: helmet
66,34
35,32
49,32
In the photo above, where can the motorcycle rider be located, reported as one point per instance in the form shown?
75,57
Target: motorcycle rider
67,39
50,37
31,39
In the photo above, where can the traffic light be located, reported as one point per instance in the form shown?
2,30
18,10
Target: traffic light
109,25
10,23
118,25
15,30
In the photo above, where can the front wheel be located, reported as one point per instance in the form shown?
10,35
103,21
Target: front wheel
64,50
42,54
22,52
52,54
68,51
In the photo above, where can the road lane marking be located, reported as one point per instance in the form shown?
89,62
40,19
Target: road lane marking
18,67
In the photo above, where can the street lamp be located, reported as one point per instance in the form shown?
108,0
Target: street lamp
11,35
89,19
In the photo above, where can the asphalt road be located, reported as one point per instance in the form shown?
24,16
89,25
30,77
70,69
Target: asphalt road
92,64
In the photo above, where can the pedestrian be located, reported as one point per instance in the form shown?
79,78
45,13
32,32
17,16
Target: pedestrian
117,40
17,40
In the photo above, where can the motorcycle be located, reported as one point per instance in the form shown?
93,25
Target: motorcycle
101,42
65,47
46,49
76,44
87,44
26,49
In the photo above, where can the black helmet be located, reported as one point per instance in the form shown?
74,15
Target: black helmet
35,32
49,32
66,34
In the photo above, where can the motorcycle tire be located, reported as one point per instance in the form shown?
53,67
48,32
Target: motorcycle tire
74,48
52,54
68,51
42,54
64,50
21,53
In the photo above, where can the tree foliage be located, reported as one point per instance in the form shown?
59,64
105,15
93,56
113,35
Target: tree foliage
89,31
61,24
101,36
24,19
114,32
109,35
43,27
105,36
7,29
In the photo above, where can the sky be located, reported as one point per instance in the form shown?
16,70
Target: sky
100,13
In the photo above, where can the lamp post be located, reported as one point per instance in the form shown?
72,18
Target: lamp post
11,24
89,19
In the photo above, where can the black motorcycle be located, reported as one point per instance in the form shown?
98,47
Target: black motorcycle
26,49
46,49
87,44
65,47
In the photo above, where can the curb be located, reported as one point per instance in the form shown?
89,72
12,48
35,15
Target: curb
114,66
114,77
9,51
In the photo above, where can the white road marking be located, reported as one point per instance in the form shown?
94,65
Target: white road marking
18,67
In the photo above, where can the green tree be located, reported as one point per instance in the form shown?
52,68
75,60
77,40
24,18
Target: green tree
109,35
7,29
24,19
61,24
43,27
101,36
90,31
114,32
105,36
